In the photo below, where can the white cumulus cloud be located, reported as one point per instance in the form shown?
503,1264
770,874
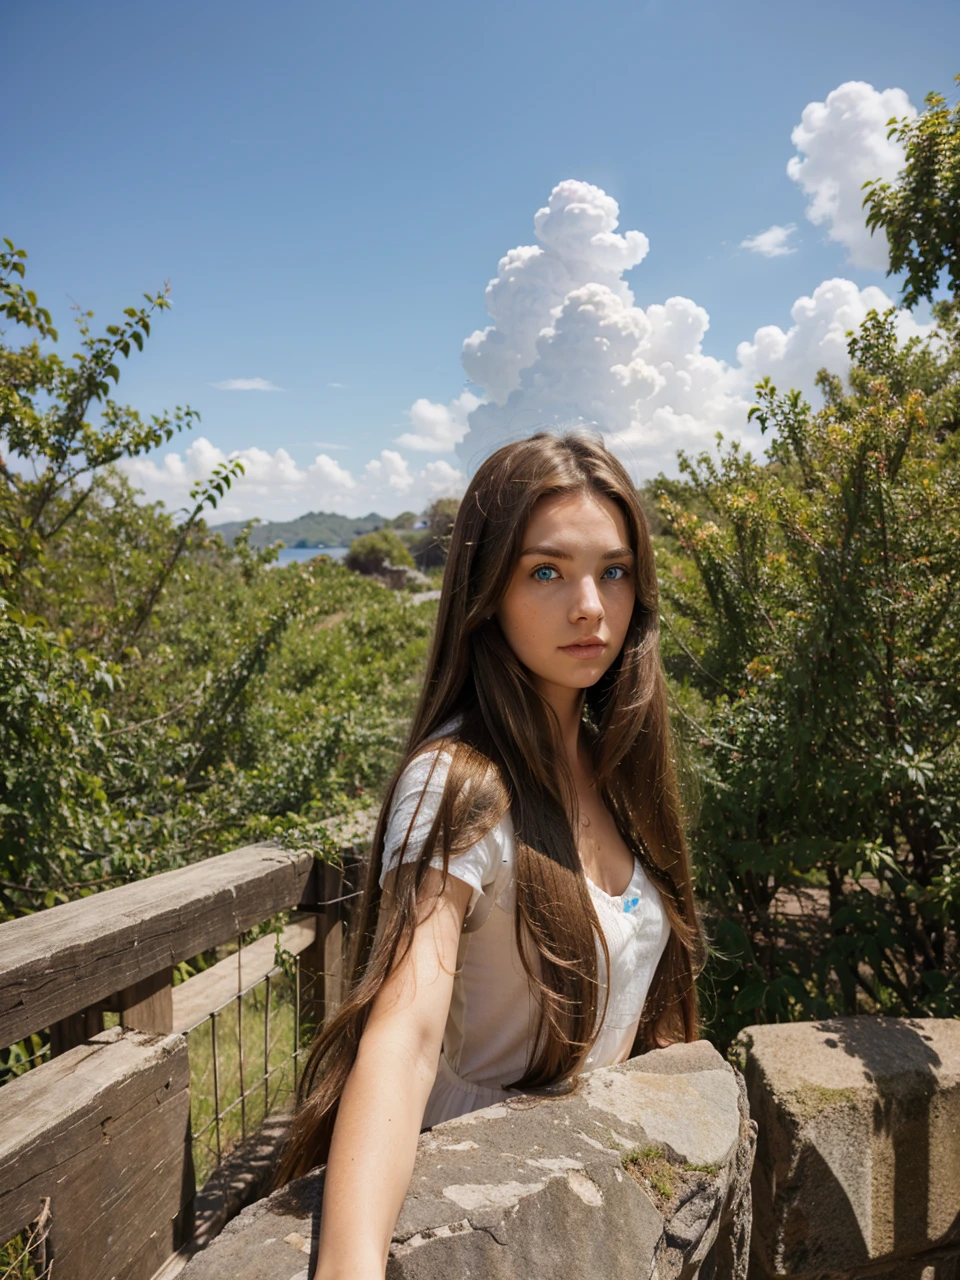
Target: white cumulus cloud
275,487
817,338
245,384
772,243
843,143
438,428
568,345
578,245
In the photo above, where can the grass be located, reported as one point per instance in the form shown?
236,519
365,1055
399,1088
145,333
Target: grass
253,1079
23,1257
653,1169
15,1260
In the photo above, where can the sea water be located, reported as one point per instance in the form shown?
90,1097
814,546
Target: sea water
291,555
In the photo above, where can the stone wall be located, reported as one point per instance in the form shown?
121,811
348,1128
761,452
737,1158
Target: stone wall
643,1172
858,1157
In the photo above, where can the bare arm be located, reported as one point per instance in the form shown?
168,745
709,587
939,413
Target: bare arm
381,1109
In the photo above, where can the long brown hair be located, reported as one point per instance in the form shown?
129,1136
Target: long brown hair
505,756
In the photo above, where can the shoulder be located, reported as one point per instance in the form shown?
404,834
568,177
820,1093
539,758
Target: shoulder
427,767
417,793
449,807
474,779
448,781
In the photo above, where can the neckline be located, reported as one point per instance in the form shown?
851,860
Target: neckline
615,897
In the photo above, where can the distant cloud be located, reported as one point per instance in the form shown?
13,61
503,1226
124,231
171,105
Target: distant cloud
245,384
275,487
438,428
337,386
771,243
843,143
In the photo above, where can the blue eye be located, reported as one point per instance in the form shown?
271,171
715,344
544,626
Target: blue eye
544,573
618,569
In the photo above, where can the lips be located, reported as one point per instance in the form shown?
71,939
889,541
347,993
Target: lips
590,647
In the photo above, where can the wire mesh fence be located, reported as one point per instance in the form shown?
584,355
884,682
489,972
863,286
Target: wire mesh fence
245,1060
248,1010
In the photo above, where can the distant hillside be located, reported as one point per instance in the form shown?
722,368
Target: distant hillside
315,529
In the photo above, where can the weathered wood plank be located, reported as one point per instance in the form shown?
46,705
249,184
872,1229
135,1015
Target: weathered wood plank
196,998
69,957
334,885
312,976
103,1131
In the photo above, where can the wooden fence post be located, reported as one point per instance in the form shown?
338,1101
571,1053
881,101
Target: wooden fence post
323,964
148,1005
75,1029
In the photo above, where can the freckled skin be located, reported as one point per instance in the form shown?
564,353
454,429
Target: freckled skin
553,602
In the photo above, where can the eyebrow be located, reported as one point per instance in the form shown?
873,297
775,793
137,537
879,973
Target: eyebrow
618,553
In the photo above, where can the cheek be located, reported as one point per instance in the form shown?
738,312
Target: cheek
526,622
621,613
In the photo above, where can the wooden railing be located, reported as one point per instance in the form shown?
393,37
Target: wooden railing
96,1142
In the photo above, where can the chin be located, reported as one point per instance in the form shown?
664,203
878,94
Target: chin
584,679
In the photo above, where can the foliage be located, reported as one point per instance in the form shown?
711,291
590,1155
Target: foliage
163,696
28,1256
432,546
812,636
404,521
920,212
374,552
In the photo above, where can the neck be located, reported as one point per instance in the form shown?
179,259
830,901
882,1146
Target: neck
567,705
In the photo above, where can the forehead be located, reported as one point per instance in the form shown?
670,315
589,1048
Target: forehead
580,520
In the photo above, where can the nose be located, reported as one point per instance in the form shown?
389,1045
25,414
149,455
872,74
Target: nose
586,605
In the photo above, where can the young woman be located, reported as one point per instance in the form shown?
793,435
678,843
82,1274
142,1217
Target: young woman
528,912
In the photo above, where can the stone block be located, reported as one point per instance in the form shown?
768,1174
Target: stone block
858,1157
643,1171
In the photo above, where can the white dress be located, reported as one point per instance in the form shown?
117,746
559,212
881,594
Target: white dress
493,1013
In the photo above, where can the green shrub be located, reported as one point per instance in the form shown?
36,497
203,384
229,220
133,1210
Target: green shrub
404,521
372,552
430,549
163,696
811,635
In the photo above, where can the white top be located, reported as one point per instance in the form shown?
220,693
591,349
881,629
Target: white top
493,1013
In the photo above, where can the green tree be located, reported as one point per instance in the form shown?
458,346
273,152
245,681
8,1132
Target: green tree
404,521
163,696
431,550
920,211
63,651
373,552
812,636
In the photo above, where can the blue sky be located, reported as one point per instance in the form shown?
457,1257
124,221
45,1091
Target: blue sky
329,190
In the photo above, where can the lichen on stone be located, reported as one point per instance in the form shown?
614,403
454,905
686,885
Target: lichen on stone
809,1100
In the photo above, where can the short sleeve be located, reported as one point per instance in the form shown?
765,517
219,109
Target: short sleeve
415,802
